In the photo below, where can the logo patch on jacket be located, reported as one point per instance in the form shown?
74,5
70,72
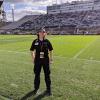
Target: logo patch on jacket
36,43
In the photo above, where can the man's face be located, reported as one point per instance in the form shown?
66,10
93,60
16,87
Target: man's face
42,34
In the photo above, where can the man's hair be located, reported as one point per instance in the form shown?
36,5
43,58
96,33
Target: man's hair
40,30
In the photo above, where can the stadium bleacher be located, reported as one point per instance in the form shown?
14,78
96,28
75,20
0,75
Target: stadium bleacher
54,23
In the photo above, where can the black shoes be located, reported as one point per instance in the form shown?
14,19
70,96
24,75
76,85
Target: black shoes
35,92
31,93
48,93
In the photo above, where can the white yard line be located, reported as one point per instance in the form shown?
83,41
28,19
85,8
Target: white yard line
16,52
15,62
21,52
92,60
83,49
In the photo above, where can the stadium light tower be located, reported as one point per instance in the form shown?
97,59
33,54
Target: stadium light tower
61,1
1,2
13,7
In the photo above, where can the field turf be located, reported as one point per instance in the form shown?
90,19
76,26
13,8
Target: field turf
75,71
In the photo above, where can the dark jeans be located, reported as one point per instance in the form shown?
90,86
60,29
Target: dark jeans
39,63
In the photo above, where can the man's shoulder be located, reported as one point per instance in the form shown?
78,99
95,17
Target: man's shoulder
35,40
47,40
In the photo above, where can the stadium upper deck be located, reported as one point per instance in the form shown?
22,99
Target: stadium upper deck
74,6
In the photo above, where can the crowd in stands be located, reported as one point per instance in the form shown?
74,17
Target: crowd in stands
57,22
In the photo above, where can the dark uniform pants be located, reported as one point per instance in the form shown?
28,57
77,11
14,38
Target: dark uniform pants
39,63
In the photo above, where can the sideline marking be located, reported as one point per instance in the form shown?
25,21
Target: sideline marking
82,50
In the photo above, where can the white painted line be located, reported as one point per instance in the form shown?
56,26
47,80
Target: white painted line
21,62
93,60
82,50
16,52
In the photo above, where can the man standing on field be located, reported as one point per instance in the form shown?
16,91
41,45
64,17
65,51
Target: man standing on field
41,51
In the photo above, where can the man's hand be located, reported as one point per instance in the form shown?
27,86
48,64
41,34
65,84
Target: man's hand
51,61
50,57
33,56
32,60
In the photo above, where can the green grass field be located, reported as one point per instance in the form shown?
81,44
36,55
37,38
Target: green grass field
75,71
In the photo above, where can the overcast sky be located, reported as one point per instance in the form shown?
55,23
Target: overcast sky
27,7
